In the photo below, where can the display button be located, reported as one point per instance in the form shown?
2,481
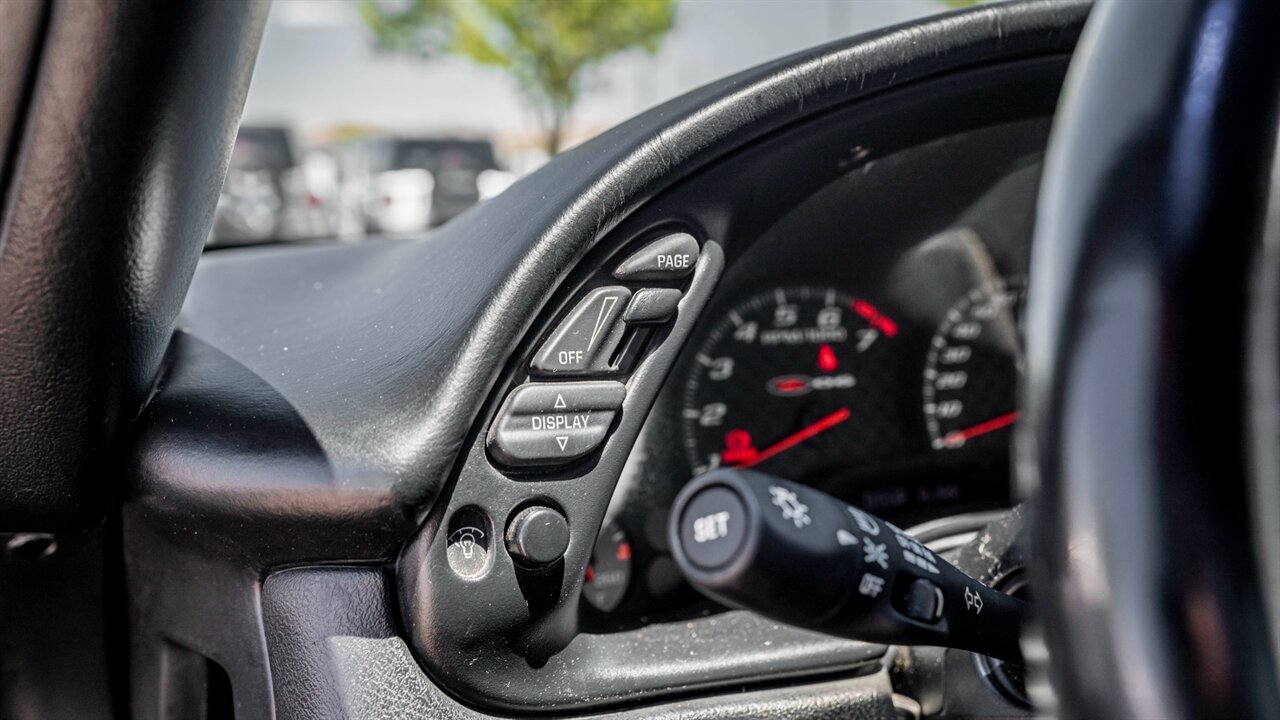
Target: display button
713,527
584,342
554,423
669,258
652,305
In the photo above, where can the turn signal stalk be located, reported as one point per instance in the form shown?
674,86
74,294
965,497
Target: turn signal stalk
757,542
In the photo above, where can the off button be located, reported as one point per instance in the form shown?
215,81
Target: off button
584,342
554,423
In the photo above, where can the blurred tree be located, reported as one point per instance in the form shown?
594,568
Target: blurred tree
546,45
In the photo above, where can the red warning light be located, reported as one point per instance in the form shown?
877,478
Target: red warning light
875,318
789,385
737,448
624,552
827,361
591,573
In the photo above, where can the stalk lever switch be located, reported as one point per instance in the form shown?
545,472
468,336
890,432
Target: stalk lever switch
795,554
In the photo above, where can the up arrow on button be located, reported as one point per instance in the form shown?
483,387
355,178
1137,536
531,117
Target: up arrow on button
560,405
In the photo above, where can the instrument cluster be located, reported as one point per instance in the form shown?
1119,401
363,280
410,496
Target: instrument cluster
868,344
881,365
817,384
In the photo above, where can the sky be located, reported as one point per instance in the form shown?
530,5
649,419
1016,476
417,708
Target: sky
317,67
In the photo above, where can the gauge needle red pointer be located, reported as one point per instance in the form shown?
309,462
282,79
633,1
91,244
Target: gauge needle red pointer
799,436
958,437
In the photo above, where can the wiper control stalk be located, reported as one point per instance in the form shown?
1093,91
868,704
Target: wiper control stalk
757,542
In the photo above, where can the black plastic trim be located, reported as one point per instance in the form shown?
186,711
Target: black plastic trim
330,627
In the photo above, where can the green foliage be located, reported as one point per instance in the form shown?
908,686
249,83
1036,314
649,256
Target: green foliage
546,45
421,26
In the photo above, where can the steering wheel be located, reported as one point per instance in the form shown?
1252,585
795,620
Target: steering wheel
1153,366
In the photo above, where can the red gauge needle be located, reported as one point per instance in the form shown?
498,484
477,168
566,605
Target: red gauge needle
956,438
798,437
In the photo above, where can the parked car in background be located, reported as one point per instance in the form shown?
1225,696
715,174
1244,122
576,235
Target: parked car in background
311,198
399,201
250,207
269,195
404,185
456,165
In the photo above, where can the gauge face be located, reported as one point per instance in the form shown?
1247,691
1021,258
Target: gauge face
793,380
609,573
972,368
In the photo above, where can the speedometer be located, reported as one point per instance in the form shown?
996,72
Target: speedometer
793,380
973,364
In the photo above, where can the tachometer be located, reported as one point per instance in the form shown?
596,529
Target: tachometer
792,380
972,368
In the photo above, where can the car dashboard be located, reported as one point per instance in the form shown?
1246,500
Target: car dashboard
867,344
849,318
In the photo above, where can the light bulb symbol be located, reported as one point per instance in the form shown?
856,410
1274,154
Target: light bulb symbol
466,538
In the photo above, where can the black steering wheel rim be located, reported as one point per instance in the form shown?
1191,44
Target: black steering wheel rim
1152,366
